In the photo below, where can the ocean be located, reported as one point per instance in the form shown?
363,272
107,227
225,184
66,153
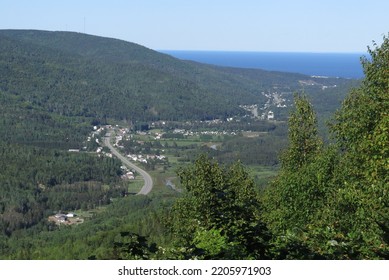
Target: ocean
344,65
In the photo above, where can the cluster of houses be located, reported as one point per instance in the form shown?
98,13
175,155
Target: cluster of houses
127,174
121,134
145,158
253,109
207,132
95,133
158,136
124,134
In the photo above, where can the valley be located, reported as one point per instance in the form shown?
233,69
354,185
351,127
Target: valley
108,130
164,146
148,182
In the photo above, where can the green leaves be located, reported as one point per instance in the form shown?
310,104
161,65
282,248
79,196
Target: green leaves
131,246
219,204
304,142
362,127
334,200
211,241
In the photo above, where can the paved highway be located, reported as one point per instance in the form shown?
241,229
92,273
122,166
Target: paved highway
148,186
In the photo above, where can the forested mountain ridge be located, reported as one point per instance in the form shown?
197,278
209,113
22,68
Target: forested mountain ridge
75,74
80,75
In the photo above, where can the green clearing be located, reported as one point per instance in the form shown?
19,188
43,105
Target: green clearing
134,186
262,174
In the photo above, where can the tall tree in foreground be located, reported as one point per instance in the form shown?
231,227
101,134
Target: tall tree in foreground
361,129
333,202
294,196
304,142
218,216
294,199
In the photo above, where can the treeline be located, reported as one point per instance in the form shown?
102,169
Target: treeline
241,125
260,150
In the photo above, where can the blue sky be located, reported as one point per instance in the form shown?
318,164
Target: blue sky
240,25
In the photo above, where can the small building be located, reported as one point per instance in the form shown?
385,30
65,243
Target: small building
270,115
70,215
61,218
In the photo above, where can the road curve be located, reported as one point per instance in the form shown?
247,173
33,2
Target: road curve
148,186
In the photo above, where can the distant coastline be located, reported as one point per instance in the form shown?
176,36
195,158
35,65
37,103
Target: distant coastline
345,65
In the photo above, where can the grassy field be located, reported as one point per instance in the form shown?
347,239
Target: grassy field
184,149
262,174
134,186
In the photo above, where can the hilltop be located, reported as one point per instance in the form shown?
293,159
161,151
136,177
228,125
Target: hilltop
81,75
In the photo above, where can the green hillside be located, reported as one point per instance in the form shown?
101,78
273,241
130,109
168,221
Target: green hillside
82,75
76,74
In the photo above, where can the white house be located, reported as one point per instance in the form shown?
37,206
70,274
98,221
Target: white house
70,215
270,115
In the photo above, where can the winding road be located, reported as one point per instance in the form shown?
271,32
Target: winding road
148,186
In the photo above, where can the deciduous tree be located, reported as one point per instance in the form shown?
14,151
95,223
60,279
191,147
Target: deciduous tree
219,203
